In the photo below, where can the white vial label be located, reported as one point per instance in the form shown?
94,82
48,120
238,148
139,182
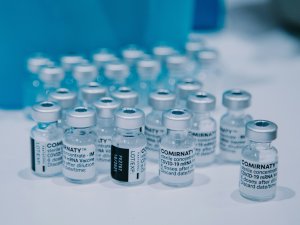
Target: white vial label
232,139
258,179
176,166
79,161
154,136
205,143
128,165
46,157
103,148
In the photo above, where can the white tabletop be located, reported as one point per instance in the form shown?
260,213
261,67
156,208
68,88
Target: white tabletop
257,57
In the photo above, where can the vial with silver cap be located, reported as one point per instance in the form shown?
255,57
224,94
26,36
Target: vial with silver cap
177,154
46,140
106,107
131,54
126,96
208,70
177,66
66,99
100,58
128,150
84,73
32,84
92,92
192,47
203,127
79,146
160,101
184,88
259,163
232,124
148,71
51,78
162,51
68,63
116,74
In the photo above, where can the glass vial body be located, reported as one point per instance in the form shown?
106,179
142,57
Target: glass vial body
184,88
203,126
90,93
79,146
32,84
66,99
128,152
69,62
46,140
259,163
105,129
126,96
160,101
148,71
116,74
177,154
232,124
51,78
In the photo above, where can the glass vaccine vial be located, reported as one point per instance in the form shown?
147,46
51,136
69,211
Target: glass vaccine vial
148,71
161,52
32,83
184,88
92,92
177,70
132,54
128,150
101,58
106,107
208,70
259,164
66,99
203,127
192,47
84,73
79,146
232,124
126,96
177,154
46,140
160,101
51,78
68,63
116,74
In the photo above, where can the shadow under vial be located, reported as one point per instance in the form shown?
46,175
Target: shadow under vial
282,193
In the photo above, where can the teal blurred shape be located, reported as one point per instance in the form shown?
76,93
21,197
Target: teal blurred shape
56,27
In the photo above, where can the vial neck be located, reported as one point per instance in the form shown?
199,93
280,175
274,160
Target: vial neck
105,122
52,84
45,126
157,112
260,146
128,132
177,134
82,130
201,116
236,113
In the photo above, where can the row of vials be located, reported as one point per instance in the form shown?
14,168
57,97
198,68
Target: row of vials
112,136
144,71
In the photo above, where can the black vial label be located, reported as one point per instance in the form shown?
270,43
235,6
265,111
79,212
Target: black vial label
32,154
119,163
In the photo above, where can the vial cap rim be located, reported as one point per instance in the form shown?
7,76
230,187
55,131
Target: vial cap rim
261,130
236,99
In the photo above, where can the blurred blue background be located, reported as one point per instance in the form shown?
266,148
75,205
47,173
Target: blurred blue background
57,27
